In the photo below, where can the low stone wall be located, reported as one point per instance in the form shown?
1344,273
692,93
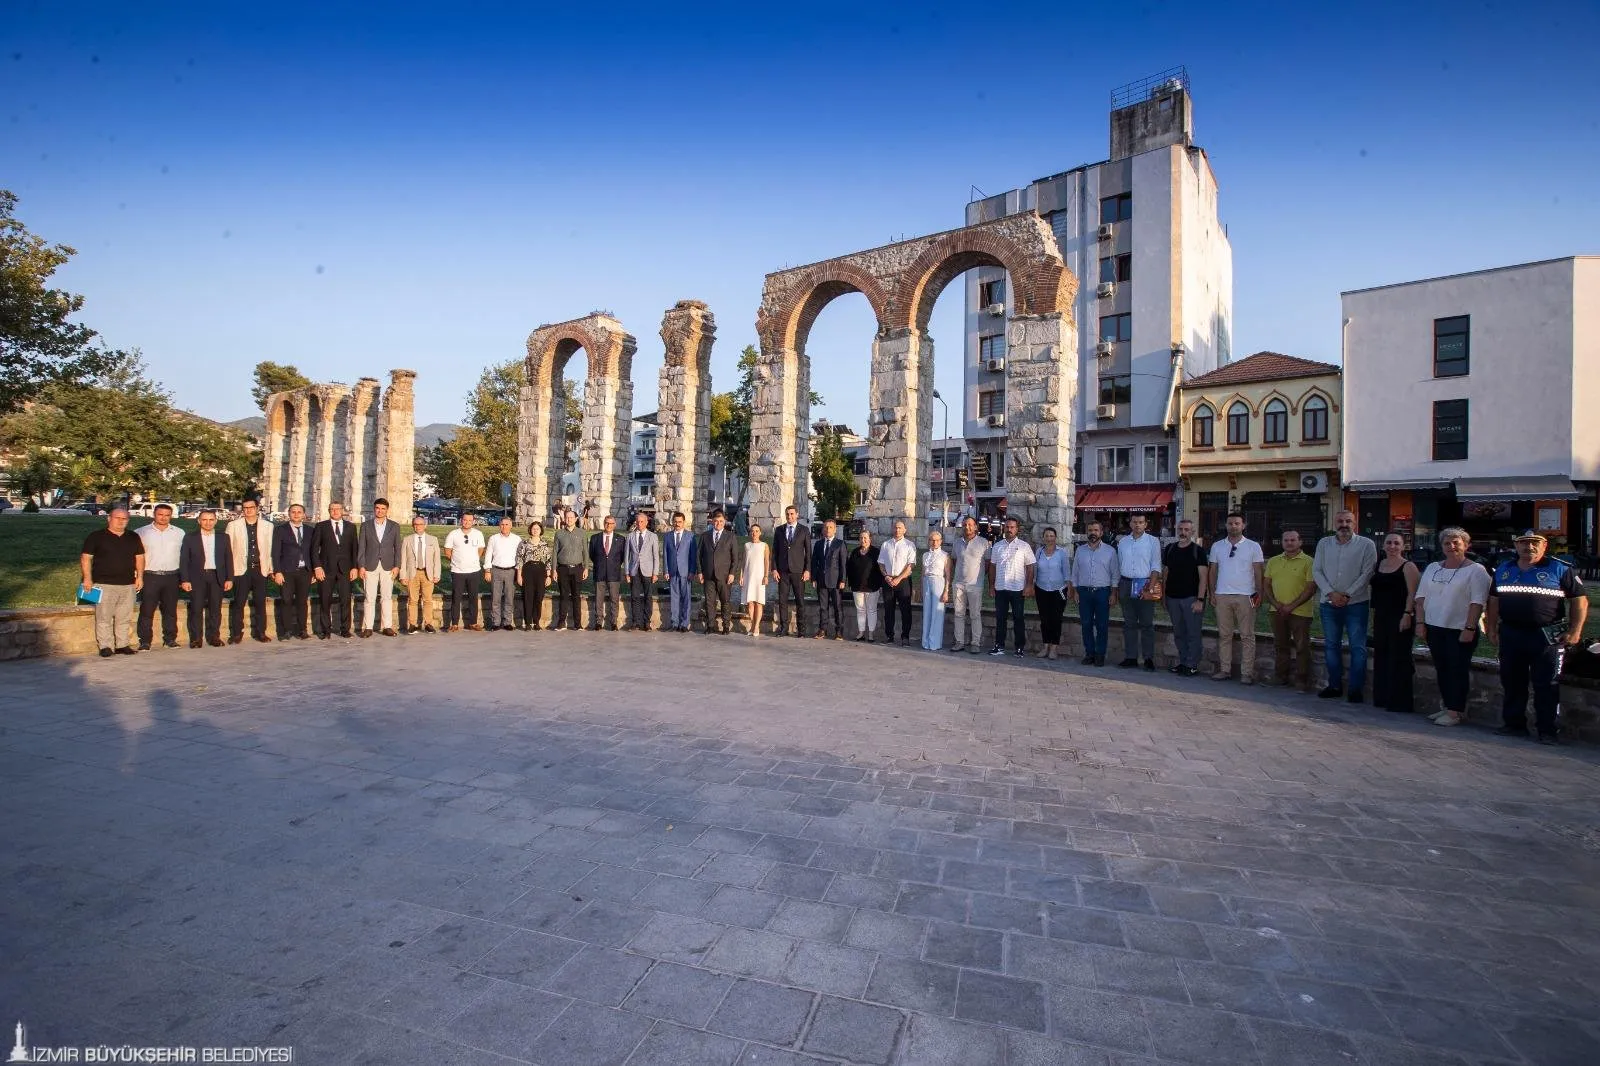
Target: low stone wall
34,632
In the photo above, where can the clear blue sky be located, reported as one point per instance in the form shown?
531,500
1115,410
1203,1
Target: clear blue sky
352,191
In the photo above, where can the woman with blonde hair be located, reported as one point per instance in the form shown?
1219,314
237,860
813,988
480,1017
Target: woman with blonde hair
1450,600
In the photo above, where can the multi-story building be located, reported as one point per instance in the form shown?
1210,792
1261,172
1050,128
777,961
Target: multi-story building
642,461
1471,400
1154,308
1261,437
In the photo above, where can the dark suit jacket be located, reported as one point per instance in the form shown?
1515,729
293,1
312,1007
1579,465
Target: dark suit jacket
334,556
791,557
375,554
691,550
827,562
726,557
603,566
287,556
192,558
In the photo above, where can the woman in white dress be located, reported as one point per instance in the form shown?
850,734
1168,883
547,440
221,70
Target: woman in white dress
757,564
936,564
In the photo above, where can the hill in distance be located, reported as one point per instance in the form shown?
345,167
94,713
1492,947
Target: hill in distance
426,436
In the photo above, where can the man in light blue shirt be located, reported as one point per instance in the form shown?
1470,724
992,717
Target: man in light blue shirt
1095,569
1139,562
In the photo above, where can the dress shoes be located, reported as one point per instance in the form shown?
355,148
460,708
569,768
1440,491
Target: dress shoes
365,633
169,644
265,638
1128,664
144,645
236,640
429,629
388,632
215,642
195,644
106,653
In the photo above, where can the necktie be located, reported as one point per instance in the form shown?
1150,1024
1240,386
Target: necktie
297,536
336,526
608,543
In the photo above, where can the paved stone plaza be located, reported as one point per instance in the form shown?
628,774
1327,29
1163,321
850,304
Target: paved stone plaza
591,850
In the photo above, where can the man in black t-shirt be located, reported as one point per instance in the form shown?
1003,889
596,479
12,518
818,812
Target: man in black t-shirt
1184,569
112,561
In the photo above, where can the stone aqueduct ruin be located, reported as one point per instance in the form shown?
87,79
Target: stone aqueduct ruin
335,443
900,281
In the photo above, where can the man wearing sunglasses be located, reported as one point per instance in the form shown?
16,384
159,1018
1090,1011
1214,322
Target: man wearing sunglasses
1237,574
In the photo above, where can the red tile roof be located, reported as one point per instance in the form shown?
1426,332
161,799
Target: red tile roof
1263,366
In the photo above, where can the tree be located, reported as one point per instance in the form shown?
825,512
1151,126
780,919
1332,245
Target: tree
832,475
483,454
38,345
273,377
732,414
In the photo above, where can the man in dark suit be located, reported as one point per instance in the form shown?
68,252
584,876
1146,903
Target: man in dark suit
827,570
721,560
791,569
333,564
205,572
291,569
607,552
378,564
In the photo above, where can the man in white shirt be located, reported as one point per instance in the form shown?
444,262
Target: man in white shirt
1011,569
162,543
500,567
1139,560
971,561
205,572
1237,575
464,546
896,559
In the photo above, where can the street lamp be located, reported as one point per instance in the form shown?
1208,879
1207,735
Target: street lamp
944,488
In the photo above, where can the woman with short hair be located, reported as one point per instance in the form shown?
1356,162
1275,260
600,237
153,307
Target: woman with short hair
1450,600
535,561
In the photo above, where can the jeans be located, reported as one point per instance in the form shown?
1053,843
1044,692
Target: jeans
1525,656
1138,624
1186,634
1009,602
1452,666
681,601
1336,622
932,615
1094,616
968,603
502,596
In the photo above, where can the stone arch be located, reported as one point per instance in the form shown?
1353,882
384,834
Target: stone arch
607,412
1039,283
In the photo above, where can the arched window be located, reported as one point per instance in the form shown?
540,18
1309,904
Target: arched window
1239,423
1275,424
1314,419
1200,434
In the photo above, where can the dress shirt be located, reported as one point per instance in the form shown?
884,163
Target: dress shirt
970,557
1095,567
1345,567
1011,560
299,535
419,548
208,542
1050,569
502,551
463,546
1233,566
1139,556
379,526
161,548
896,555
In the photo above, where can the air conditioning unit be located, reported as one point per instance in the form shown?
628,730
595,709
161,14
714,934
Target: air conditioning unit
1105,348
1107,288
995,365
996,309
1314,482
1106,410
995,421
1107,231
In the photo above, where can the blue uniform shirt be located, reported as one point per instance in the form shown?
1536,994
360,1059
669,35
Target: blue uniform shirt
1537,596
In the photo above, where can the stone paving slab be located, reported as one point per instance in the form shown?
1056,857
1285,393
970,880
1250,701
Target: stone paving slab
645,850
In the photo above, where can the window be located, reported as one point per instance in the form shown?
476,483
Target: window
1116,268
1314,419
991,292
992,347
992,402
1116,327
1117,390
1275,423
1114,464
1239,424
1449,429
859,464
1450,348
1200,429
1117,208
1157,462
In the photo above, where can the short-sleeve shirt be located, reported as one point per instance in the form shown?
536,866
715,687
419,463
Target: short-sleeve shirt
1288,578
1537,596
895,555
162,547
1234,566
112,556
1011,559
1448,594
1183,563
1050,573
463,546
970,556
502,551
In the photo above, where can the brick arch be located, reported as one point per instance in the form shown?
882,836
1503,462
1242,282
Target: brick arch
609,350
1040,281
787,322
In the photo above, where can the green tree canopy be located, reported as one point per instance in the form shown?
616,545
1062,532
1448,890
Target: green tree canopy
732,414
483,454
39,346
273,377
832,475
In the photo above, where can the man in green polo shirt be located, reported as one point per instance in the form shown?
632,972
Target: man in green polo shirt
1290,590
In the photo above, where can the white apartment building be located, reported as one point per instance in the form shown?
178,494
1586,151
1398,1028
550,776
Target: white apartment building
1154,308
1474,400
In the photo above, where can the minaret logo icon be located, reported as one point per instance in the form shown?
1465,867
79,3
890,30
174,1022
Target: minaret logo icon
19,1050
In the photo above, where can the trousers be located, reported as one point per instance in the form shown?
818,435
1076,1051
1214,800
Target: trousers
534,580
1052,604
377,590
641,600
682,601
791,590
1186,633
334,581
1138,624
502,596
295,602
830,604
205,608
160,592
1007,601
569,577
1526,657
967,600
608,593
1452,666
251,585
113,616
463,598
866,613
1291,637
716,603
1235,614
1350,619
1094,616
897,598
419,601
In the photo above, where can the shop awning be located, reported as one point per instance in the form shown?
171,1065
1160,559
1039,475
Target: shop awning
1377,487
1531,487
1124,498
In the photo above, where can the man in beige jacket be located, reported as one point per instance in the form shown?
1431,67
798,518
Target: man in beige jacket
250,539
419,571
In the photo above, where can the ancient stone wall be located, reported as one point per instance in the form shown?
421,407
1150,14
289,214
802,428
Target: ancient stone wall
683,441
337,443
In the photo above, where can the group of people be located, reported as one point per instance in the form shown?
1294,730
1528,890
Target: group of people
1534,605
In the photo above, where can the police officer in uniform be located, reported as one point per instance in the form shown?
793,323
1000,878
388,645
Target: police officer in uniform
1537,608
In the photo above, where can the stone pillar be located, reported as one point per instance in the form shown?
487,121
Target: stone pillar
299,433
535,452
322,480
1041,409
397,437
899,429
272,455
683,442
603,452
361,435
779,432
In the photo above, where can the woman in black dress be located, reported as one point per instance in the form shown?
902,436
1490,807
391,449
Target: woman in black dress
1394,587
